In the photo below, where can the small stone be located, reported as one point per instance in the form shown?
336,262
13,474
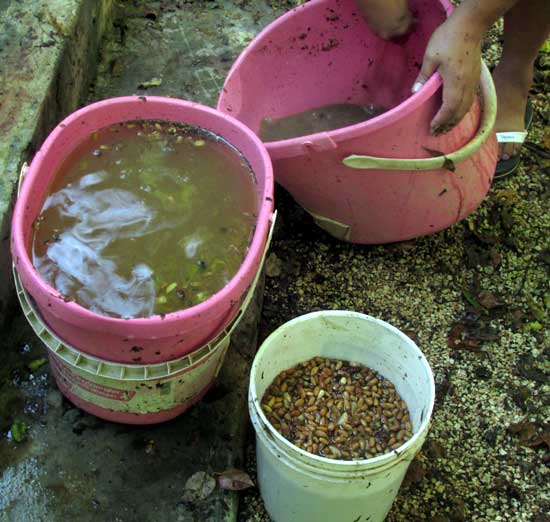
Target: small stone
198,487
273,266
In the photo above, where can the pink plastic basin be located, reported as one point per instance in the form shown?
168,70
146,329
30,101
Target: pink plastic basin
323,53
155,339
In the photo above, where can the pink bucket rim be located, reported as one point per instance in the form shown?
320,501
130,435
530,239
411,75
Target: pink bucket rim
24,264
278,148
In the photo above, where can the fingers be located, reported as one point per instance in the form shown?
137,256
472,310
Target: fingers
458,97
429,66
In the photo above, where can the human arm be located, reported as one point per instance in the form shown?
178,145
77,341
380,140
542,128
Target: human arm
454,51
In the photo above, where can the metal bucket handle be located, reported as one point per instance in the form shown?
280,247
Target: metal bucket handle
446,161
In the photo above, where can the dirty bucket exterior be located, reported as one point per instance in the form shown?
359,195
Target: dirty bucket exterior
156,339
411,183
123,393
134,394
297,486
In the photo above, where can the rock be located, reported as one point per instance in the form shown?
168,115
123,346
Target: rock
54,400
198,487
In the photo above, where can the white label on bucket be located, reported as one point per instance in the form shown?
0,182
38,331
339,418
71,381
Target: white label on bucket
139,397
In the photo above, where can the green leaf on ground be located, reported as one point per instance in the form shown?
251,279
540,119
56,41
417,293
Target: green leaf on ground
469,296
535,325
18,431
537,310
153,82
37,363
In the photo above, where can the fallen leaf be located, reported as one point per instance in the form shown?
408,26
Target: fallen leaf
469,296
198,487
460,339
535,325
234,480
508,197
541,152
496,258
529,434
117,68
524,428
37,363
540,438
153,82
412,336
435,450
457,511
439,518
18,432
415,473
489,300
529,368
537,310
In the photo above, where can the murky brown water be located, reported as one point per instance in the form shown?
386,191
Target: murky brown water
146,218
321,119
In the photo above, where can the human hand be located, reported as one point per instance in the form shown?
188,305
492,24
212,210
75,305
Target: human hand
454,51
387,18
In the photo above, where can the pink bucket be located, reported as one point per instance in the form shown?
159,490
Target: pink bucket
156,339
383,180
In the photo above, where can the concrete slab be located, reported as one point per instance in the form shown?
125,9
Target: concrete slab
189,46
48,55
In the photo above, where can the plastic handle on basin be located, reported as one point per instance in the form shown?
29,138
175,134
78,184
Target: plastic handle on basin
438,162
323,142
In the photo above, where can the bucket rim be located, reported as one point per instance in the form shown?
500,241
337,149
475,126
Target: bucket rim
75,313
97,367
382,461
280,148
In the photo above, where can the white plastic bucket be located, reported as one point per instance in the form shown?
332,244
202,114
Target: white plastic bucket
297,486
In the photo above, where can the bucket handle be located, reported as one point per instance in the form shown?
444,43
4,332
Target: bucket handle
446,161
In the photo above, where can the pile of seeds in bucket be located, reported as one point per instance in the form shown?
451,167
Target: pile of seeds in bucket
337,409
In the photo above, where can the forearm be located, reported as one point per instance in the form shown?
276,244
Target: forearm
479,15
